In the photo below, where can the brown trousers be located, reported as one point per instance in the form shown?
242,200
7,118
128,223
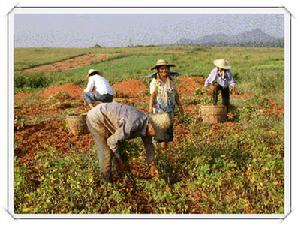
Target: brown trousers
100,135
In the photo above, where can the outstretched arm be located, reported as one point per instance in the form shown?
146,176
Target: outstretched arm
148,145
211,77
150,156
90,85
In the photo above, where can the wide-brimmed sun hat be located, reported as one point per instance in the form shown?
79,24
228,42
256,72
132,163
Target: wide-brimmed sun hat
162,62
92,71
160,123
222,63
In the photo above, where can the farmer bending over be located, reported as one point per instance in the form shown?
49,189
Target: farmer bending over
220,77
112,123
97,89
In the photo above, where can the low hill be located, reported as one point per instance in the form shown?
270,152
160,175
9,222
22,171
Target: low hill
253,38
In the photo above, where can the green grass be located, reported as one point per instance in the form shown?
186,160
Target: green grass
249,65
31,57
120,68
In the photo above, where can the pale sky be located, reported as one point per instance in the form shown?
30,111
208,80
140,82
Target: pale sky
119,30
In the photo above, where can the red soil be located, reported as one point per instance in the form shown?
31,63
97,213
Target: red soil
74,91
130,88
21,95
48,133
53,133
273,110
188,85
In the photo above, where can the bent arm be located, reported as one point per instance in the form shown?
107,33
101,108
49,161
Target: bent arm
211,77
119,136
153,93
151,102
231,81
90,85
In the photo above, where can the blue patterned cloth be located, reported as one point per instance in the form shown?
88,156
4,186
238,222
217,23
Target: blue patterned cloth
165,95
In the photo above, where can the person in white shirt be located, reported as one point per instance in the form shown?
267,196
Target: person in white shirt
97,89
221,78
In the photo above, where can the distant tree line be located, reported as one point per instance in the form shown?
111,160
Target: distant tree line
277,44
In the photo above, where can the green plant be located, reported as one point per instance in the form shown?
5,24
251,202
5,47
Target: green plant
186,119
19,122
199,91
38,82
20,82
33,82
72,112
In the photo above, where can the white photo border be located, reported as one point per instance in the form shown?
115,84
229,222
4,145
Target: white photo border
154,10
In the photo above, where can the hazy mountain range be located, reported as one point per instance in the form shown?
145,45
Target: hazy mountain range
255,38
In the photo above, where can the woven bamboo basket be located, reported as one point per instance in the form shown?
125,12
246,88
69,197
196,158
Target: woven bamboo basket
213,113
77,124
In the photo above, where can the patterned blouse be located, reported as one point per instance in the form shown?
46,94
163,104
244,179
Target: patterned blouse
165,95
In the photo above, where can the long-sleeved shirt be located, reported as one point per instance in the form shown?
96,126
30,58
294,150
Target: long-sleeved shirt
101,85
123,122
224,80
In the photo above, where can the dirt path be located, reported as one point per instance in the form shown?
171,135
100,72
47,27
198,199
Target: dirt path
69,64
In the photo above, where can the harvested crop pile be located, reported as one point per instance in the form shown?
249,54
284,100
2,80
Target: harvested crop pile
72,90
130,88
188,85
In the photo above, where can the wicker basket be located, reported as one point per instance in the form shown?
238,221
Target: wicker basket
213,113
77,124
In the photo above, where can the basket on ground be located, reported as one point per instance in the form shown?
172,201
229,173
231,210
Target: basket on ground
77,124
213,113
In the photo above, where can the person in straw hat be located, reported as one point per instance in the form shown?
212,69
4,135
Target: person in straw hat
221,78
163,94
97,89
112,123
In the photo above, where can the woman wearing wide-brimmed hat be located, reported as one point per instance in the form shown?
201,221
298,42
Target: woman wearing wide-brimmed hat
163,94
97,89
221,78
